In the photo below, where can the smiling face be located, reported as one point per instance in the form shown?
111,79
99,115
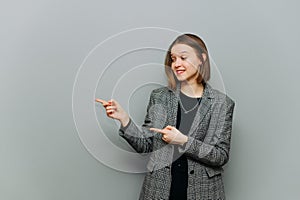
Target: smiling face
187,60
185,63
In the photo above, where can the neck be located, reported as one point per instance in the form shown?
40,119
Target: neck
192,89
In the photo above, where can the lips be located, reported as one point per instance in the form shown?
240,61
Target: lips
180,71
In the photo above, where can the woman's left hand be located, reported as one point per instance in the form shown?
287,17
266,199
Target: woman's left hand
171,135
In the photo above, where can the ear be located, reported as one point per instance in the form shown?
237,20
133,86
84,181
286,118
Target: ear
204,57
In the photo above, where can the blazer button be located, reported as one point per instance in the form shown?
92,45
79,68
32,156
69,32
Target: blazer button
192,172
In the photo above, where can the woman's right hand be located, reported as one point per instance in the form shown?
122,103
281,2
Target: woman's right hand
114,110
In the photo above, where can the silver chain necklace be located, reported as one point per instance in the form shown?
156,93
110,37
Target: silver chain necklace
187,111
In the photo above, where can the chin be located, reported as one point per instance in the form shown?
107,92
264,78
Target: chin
180,79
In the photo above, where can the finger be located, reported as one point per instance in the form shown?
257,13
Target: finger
155,129
109,112
165,138
169,127
111,108
158,130
113,102
103,102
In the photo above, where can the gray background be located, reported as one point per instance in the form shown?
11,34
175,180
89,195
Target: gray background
254,43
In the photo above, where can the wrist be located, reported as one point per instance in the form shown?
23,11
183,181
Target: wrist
184,140
125,120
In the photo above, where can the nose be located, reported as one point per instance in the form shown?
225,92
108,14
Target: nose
177,63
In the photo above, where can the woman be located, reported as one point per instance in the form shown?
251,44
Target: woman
187,128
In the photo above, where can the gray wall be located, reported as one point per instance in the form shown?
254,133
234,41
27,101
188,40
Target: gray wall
255,44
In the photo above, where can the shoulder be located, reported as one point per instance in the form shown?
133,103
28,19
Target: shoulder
159,94
162,91
221,96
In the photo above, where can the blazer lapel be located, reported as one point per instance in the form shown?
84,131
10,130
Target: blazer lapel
206,102
173,105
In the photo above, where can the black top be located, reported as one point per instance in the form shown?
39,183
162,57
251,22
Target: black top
187,108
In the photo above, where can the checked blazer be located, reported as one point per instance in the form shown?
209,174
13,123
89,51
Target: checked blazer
207,149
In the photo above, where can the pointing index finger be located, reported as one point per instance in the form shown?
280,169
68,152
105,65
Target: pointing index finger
158,130
101,101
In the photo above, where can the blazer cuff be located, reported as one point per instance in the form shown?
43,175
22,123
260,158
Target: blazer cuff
124,128
186,146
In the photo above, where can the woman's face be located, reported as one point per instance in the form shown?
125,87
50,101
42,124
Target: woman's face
185,63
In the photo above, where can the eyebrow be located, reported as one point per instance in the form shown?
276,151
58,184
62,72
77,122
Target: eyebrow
180,52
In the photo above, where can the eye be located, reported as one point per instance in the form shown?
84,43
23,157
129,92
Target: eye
183,57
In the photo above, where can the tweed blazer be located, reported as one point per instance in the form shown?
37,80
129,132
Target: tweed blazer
207,149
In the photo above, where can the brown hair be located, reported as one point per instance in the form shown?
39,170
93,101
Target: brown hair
199,46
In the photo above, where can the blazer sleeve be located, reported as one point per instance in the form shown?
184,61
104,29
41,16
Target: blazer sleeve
214,150
140,138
